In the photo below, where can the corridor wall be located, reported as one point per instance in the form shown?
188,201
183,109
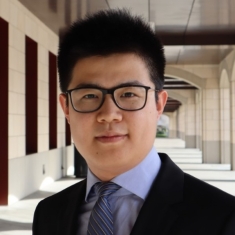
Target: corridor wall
28,172
208,119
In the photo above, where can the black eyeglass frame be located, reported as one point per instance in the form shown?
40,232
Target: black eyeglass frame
111,92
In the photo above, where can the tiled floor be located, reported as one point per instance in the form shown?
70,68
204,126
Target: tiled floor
16,219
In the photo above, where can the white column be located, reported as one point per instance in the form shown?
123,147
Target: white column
198,118
225,126
232,128
181,121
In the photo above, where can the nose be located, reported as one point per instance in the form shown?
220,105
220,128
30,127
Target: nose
109,112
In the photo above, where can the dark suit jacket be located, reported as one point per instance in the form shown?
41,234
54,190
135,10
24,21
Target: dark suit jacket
177,204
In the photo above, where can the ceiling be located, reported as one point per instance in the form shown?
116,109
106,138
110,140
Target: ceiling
172,105
193,31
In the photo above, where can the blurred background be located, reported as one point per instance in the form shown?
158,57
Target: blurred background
197,129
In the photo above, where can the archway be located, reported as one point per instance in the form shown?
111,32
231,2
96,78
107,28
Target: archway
186,76
190,115
177,119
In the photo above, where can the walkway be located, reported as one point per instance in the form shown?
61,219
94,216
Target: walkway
16,219
190,161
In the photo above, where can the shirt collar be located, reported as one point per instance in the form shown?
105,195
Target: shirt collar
137,180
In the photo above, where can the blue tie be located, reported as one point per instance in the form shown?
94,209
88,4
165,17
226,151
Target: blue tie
101,219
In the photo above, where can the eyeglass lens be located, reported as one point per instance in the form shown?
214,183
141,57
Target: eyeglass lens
90,99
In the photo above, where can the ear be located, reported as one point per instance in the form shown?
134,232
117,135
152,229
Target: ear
64,105
162,99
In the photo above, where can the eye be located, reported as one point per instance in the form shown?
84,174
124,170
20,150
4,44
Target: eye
90,96
128,94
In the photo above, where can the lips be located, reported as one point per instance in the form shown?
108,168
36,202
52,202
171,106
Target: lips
110,137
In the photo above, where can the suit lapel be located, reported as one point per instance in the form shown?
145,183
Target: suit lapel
69,212
157,214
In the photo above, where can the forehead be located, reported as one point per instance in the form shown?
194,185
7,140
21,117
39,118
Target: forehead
109,71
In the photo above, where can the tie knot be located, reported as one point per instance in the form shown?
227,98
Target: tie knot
105,189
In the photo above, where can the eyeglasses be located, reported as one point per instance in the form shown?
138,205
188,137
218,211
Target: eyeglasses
90,99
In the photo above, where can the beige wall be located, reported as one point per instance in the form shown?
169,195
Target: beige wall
21,23
25,169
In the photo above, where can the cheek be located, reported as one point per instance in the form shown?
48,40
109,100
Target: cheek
143,123
151,119
80,126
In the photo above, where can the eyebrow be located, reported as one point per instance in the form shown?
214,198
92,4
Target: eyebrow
95,85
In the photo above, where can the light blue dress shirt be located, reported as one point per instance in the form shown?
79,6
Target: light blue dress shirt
127,201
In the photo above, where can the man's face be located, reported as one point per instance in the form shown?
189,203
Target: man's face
112,140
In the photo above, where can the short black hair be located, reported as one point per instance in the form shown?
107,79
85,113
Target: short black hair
110,32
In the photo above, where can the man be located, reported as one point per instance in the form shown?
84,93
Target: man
111,68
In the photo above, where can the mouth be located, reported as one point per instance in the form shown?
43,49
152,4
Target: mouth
110,137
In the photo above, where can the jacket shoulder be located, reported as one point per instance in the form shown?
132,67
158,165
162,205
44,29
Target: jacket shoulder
52,213
63,195
199,190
